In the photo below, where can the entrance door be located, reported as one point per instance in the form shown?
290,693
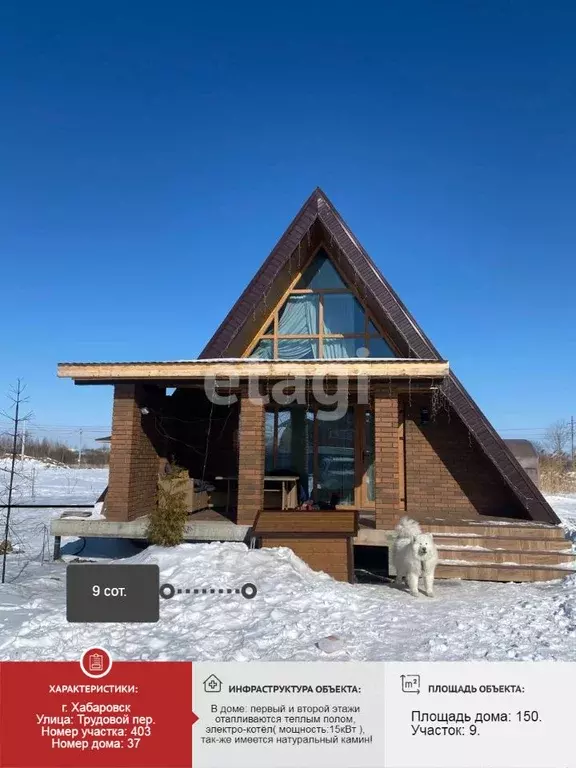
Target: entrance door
335,459
320,451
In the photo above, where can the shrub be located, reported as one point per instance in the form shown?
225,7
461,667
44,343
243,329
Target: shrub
166,524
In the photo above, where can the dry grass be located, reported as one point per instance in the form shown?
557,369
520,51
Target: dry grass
555,477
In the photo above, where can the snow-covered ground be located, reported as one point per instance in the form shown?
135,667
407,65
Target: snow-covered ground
38,482
294,609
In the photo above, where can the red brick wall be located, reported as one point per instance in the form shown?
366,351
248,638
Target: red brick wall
133,457
386,459
251,456
447,472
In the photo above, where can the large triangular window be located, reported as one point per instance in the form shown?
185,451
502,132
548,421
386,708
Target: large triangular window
320,318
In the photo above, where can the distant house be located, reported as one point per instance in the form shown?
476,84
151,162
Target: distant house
410,439
527,456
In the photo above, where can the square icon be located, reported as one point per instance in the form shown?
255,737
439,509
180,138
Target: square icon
410,683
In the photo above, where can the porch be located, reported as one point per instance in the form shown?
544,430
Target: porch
490,550
329,434
369,438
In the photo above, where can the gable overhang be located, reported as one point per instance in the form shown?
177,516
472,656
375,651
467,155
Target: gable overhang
319,220
248,368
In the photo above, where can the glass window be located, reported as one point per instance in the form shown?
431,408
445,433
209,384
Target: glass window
321,273
336,467
372,330
379,348
299,315
264,350
294,445
369,454
270,330
269,431
339,348
342,314
297,349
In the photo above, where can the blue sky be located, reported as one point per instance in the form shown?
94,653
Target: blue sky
152,154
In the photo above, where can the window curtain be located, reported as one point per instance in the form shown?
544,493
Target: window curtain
342,348
340,314
264,350
299,316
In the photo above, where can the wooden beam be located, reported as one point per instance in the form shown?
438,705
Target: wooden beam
254,368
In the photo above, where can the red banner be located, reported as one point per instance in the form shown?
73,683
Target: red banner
97,714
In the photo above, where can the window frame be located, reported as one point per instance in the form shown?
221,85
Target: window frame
273,318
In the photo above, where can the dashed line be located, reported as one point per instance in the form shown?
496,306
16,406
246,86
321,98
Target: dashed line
248,591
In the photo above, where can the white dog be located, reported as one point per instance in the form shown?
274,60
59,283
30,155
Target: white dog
414,554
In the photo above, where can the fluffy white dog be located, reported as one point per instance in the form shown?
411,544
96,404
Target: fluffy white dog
414,554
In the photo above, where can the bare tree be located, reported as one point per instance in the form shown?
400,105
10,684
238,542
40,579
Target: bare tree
16,397
557,439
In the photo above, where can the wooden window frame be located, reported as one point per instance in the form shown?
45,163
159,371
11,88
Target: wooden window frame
273,317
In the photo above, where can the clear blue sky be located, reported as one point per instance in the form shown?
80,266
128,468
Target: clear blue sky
152,154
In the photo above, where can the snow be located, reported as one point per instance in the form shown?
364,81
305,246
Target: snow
297,614
565,508
53,483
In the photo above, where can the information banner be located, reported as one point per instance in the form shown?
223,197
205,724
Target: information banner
102,713
138,715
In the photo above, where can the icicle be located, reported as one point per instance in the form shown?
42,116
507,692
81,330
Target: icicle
435,403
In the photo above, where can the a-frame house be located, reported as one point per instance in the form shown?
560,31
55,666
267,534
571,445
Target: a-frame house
317,329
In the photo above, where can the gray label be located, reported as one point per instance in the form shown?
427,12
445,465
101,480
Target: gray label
112,593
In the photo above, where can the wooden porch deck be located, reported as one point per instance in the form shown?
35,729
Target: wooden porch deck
490,549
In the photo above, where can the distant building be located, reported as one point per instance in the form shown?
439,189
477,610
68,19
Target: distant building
526,455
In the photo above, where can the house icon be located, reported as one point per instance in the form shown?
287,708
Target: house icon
212,684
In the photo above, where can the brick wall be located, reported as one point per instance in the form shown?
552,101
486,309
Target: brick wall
333,556
133,456
251,456
386,459
446,470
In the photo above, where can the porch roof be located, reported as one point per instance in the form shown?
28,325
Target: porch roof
373,368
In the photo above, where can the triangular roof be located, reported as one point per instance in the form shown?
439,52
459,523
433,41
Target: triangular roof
319,221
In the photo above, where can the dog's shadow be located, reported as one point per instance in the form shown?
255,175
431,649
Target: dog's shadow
401,586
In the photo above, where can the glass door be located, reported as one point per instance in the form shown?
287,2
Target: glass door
335,451
365,443
320,451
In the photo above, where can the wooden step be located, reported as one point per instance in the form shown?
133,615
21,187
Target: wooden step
460,569
499,542
512,531
507,555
